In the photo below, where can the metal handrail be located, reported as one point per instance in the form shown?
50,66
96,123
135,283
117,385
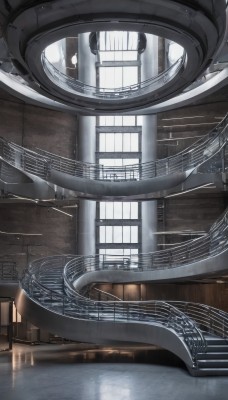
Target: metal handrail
103,296
66,82
208,318
41,163
211,244
158,312
186,319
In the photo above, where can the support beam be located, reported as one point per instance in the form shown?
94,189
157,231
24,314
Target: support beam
86,148
149,146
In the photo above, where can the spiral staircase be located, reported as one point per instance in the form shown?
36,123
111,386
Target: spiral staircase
52,292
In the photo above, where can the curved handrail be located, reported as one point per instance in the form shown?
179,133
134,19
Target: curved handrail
211,244
68,83
186,319
209,318
41,163
104,296
159,312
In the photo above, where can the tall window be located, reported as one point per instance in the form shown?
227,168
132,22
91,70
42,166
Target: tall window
118,143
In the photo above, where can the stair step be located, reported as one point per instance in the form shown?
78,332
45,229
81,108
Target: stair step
216,341
210,363
217,348
209,372
213,356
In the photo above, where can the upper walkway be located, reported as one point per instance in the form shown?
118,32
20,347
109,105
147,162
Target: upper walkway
94,181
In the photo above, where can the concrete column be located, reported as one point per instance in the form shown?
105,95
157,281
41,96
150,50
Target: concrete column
149,147
86,148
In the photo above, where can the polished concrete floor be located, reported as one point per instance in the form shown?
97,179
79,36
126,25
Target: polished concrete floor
68,372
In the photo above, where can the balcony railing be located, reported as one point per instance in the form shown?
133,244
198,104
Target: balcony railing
41,163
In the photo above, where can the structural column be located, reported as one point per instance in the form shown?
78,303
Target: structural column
149,146
86,148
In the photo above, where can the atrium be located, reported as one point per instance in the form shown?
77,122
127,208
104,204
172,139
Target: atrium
113,205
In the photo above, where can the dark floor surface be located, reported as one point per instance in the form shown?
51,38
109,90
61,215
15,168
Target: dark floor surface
66,372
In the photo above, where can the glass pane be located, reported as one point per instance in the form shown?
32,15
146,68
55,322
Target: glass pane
139,120
118,142
108,234
126,142
117,162
102,210
128,120
118,234
118,210
118,56
134,210
102,141
134,142
109,210
126,234
110,146
130,55
109,120
114,252
102,121
130,76
134,251
126,210
118,77
102,234
118,120
134,234
130,161
102,40
106,162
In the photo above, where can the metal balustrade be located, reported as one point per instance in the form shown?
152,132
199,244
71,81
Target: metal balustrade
186,319
41,163
208,318
149,312
70,84
211,244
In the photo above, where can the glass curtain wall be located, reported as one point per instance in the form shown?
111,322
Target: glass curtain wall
118,143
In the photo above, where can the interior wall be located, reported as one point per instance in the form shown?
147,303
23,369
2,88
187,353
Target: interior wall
178,129
33,126
29,231
212,294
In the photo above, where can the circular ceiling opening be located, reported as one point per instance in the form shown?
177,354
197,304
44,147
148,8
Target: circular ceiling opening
111,65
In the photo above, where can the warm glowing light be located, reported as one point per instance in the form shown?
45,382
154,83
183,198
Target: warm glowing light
74,60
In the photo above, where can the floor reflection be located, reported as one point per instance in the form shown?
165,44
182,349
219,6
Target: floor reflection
87,372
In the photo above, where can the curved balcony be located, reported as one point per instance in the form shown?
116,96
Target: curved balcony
200,257
131,92
95,181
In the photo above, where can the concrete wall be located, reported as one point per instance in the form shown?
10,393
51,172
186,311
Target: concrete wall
28,232
53,131
177,129
32,127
